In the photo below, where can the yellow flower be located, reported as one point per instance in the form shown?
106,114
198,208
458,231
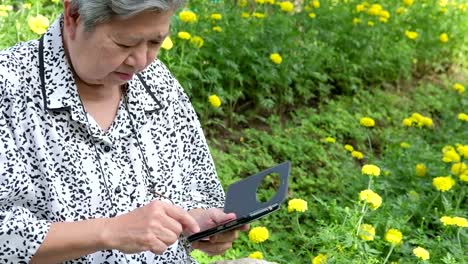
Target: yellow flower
367,122
443,3
443,38
367,232
370,23
316,3
360,8
356,20
393,236
312,15
276,58
216,16
349,148
260,1
214,100
371,170
258,234
401,10
371,198
217,29
463,150
27,5
286,6
421,253
459,88
463,117
411,34
297,205
167,43
242,3
258,15
245,15
426,121
421,170
443,184
329,140
374,10
188,16
405,145
197,41
184,35
271,2
464,177
256,255
459,168
384,14
407,122
446,220
451,156
38,24
460,221
407,2
320,259
358,155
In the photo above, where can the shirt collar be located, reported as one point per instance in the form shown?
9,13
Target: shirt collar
60,91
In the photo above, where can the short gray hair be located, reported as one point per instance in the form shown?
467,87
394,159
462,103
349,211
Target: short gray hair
95,12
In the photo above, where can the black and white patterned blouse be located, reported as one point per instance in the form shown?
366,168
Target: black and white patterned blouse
52,152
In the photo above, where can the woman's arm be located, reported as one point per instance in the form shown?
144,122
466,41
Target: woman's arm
153,227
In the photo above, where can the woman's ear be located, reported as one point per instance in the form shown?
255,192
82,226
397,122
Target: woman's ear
71,19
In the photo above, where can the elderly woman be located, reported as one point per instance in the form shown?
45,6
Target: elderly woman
102,158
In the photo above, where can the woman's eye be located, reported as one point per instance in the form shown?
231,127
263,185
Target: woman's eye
123,45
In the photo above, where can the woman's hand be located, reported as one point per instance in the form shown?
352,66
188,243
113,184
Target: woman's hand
219,243
153,227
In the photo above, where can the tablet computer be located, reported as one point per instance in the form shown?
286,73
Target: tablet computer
241,199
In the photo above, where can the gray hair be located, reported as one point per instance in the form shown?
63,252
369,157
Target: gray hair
95,12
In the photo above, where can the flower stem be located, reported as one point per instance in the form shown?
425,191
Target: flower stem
389,253
299,225
369,141
459,243
363,212
432,202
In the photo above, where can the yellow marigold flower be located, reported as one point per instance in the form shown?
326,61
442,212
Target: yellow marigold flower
184,35
320,259
459,168
358,155
463,150
286,6
312,15
167,43
370,23
401,10
356,20
260,2
367,122
271,2
443,38
216,16
197,41
367,232
464,177
421,253
371,198
188,16
27,6
258,15
245,15
329,140
371,170
407,2
276,58
349,148
460,221
463,117
426,121
360,8
214,100
297,205
451,156
38,24
384,14
217,29
407,122
316,4
443,3
443,184
242,3
393,236
374,10
411,34
405,145
256,255
446,220
258,234
421,170
459,88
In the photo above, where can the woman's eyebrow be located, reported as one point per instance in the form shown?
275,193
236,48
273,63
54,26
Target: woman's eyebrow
134,38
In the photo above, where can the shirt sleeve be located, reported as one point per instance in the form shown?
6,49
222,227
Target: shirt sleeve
21,232
202,187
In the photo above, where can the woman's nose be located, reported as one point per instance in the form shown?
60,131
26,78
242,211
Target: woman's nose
138,57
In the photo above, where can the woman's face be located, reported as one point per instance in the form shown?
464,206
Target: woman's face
113,52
